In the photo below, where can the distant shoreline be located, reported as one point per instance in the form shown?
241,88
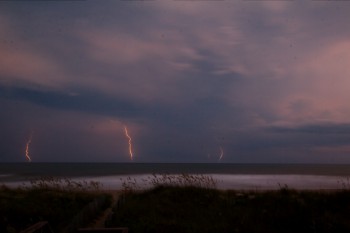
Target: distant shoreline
100,169
227,176
223,181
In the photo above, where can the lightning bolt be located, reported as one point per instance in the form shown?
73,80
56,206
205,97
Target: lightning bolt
221,153
27,148
130,143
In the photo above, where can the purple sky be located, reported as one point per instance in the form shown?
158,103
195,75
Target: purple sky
260,81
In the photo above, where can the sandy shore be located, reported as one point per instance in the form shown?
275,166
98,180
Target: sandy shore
222,181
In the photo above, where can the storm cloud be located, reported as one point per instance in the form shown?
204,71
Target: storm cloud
266,81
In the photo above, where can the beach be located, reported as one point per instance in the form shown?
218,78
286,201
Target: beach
177,202
226,176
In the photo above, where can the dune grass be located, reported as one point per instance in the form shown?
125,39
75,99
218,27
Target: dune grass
185,203
197,209
48,199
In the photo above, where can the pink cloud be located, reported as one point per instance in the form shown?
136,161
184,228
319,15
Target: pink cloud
23,63
27,66
320,82
116,47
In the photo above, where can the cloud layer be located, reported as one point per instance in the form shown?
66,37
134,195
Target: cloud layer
266,81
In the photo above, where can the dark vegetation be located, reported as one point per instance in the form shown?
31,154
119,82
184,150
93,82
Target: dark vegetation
58,204
176,203
197,209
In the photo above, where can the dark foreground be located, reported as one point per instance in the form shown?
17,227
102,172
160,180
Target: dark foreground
180,210
190,209
64,210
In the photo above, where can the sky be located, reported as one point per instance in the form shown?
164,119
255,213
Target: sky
228,81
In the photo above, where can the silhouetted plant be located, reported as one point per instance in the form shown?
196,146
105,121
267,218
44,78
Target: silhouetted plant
181,180
63,184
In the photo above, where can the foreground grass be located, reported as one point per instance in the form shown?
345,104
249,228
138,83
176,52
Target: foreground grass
22,207
191,209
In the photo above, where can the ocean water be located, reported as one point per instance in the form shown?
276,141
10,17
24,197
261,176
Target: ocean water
227,176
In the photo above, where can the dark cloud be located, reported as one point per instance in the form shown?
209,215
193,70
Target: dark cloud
186,78
318,129
86,101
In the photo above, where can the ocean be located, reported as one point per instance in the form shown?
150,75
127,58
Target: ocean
227,176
